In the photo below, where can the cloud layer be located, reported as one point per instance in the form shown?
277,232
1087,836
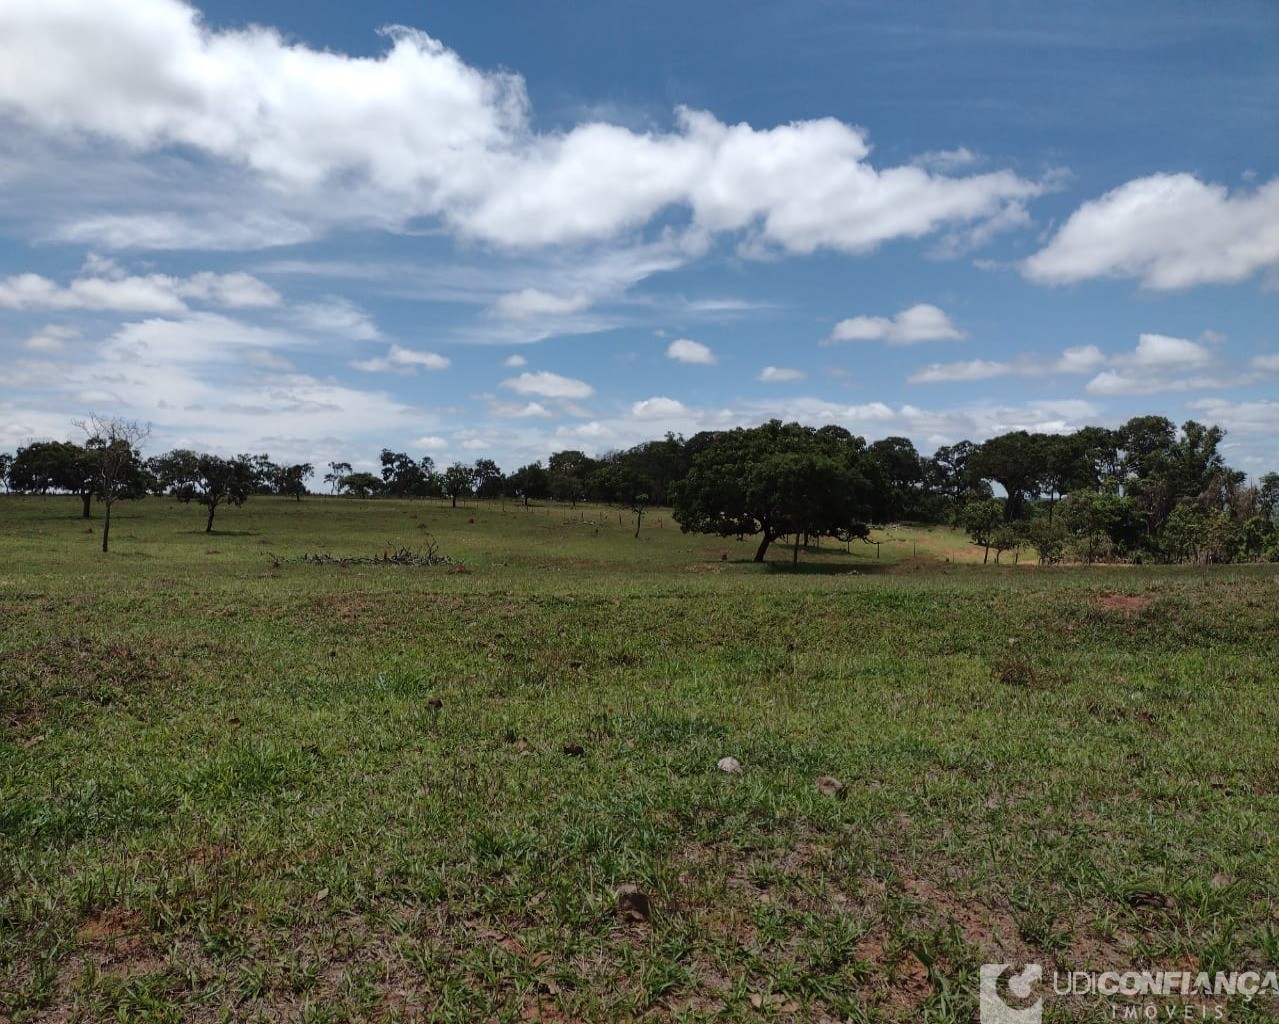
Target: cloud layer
545,384
1168,231
152,293
1158,363
416,132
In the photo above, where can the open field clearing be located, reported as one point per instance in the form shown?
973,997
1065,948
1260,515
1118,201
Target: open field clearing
236,785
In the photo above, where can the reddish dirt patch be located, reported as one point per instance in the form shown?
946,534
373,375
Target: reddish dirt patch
347,609
108,926
115,940
553,564
1129,603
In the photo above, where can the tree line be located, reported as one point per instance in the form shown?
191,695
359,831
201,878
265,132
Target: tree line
1147,490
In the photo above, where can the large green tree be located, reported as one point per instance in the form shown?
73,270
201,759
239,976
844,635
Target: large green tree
950,478
777,479
1099,523
362,485
458,482
403,477
1268,497
529,483
1016,462
902,472
45,466
207,480
981,519
621,484
488,478
569,472
290,480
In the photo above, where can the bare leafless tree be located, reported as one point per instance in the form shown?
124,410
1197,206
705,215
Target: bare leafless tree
113,447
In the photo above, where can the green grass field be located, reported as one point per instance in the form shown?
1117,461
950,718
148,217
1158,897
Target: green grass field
239,786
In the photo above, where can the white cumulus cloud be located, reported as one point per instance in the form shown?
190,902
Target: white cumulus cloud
660,408
1162,352
1158,363
150,293
1249,418
968,369
533,302
234,291
684,350
1168,231
403,360
337,316
415,132
921,322
515,411
779,374
50,338
1080,359
545,384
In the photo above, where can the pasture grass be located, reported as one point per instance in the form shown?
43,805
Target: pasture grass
239,786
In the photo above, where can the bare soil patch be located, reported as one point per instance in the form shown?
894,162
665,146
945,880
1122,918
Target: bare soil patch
1129,603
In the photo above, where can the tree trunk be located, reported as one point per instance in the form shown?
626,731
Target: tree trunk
639,518
454,497
106,527
208,527
986,557
87,498
794,558
763,546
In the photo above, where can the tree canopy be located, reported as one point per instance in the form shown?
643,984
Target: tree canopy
112,454
774,480
1146,489
207,480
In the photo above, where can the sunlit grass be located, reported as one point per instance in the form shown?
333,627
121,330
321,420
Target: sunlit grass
237,785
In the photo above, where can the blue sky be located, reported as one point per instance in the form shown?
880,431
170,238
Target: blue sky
504,229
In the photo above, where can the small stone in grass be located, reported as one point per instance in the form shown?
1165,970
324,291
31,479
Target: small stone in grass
729,764
828,785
